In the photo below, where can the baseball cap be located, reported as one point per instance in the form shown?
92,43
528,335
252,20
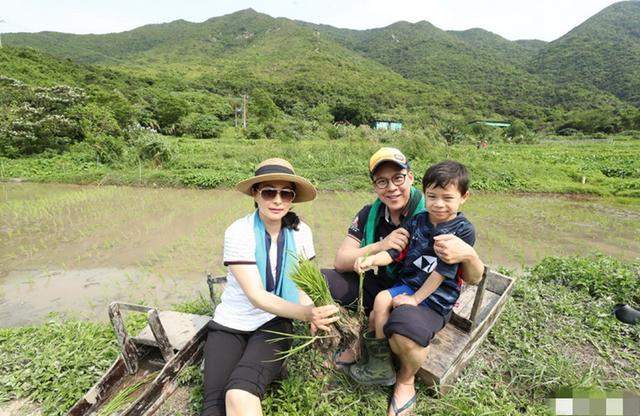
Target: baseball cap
387,154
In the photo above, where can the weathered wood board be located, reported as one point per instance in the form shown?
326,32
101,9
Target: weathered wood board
452,348
180,328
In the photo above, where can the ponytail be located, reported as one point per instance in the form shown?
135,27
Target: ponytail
291,220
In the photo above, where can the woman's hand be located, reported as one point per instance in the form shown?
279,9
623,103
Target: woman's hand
322,316
397,240
363,264
452,249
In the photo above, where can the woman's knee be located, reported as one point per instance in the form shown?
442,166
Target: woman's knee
236,399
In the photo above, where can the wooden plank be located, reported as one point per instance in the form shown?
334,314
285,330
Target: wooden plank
102,389
462,310
497,283
160,335
477,337
166,382
180,328
444,348
477,301
127,347
451,348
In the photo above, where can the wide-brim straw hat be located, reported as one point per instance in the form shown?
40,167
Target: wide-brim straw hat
276,169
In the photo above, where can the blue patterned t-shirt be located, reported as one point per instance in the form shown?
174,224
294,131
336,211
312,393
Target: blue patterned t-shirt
419,259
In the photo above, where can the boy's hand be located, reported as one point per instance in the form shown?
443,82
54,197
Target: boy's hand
404,300
363,264
396,240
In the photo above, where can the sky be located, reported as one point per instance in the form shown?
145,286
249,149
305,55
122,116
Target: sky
513,19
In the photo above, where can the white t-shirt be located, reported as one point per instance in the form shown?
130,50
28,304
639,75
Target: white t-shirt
235,310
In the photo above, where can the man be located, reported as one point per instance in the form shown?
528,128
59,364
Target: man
378,227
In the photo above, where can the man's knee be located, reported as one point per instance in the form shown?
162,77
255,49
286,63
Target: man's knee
402,345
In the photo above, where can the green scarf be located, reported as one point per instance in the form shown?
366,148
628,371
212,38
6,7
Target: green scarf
415,206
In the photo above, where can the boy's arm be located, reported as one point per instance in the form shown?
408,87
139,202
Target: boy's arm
428,287
363,264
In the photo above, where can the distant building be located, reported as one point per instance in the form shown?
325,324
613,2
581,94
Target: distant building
392,125
492,123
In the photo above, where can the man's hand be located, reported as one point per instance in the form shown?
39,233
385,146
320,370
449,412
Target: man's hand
452,249
404,300
397,240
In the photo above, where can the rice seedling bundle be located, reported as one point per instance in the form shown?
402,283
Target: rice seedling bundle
343,332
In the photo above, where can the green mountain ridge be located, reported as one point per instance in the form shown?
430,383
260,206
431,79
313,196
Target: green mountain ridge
398,67
603,51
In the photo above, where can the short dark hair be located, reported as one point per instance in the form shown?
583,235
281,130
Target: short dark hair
444,173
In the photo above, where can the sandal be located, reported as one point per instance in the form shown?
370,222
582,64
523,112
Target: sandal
407,406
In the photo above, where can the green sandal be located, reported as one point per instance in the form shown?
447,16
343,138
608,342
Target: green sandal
407,406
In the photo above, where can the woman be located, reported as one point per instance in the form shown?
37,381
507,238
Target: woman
259,297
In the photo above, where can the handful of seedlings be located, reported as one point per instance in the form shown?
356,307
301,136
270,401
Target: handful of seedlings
342,334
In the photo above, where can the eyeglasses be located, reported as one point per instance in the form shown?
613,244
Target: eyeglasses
397,179
269,194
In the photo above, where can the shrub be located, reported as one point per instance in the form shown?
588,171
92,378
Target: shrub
602,276
201,126
94,119
452,134
108,149
254,132
151,147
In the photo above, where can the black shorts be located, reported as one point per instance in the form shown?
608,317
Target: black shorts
241,360
418,323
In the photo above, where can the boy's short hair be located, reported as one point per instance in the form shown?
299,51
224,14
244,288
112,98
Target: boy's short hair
444,173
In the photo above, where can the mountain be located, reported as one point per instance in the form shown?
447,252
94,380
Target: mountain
247,50
603,52
407,69
472,60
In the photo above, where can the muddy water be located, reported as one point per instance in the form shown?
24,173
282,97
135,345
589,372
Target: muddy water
70,250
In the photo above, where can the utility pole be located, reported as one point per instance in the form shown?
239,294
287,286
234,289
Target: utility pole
245,99
1,21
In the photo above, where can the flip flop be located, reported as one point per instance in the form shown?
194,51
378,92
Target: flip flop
407,406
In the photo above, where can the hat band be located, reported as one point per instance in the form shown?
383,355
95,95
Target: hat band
273,169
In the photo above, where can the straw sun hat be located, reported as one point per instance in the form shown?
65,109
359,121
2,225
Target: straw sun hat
277,169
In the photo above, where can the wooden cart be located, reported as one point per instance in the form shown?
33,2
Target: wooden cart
476,312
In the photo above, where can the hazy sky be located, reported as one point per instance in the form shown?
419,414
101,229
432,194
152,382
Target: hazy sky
512,19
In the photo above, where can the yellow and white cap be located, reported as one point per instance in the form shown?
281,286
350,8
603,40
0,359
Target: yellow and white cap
387,154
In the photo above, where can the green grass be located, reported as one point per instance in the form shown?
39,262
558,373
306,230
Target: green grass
550,336
610,167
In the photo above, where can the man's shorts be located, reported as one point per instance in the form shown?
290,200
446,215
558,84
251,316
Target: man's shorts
418,323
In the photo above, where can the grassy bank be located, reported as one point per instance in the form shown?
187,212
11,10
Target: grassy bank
608,166
557,331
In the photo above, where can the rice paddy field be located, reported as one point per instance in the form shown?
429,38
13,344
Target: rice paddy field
73,249
70,250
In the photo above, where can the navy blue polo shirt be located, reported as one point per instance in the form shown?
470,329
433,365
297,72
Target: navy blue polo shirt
385,227
419,259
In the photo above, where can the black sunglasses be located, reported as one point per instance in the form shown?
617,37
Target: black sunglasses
269,194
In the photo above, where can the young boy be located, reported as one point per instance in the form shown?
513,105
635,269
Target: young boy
425,280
